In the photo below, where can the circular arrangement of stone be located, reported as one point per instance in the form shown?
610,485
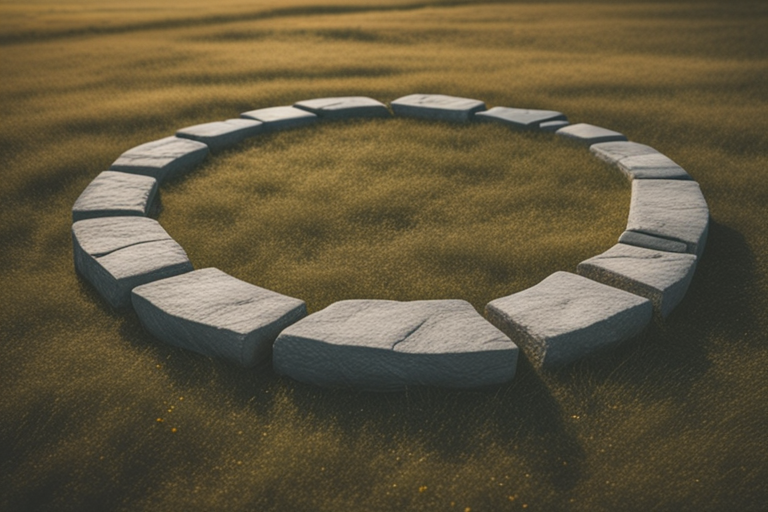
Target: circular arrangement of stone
380,344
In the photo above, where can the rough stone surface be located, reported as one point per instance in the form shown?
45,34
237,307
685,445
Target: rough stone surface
671,209
221,135
215,314
589,134
652,166
281,118
652,242
344,107
388,345
162,159
612,152
662,277
113,194
101,236
437,106
567,317
520,118
552,126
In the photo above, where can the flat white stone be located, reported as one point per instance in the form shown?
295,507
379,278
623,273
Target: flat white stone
672,209
113,194
221,135
520,118
437,106
215,314
567,317
662,277
589,134
388,345
552,126
162,159
103,235
344,107
652,242
612,152
281,118
652,166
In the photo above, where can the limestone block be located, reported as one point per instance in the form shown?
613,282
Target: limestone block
345,107
162,159
387,345
662,277
215,314
612,152
520,118
281,118
589,134
652,166
437,106
652,242
567,317
113,194
552,126
221,135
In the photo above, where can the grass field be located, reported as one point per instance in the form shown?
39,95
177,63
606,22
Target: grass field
95,414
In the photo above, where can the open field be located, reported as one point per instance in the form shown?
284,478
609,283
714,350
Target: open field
97,415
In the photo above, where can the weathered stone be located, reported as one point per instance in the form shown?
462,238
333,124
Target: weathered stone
215,314
344,107
113,194
589,134
652,166
612,152
221,135
662,277
553,126
651,242
388,345
101,236
520,118
162,159
437,106
672,209
567,317
281,118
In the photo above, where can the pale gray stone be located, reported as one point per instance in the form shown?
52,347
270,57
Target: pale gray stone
113,194
567,317
388,345
437,106
589,134
552,126
672,209
612,152
281,118
100,236
652,242
662,277
520,118
162,159
344,107
221,135
652,166
215,314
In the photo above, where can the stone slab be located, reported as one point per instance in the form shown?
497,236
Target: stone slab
520,118
651,242
612,152
344,107
113,194
437,107
100,236
567,317
163,159
589,134
552,126
281,118
662,277
387,345
652,166
221,135
671,209
215,314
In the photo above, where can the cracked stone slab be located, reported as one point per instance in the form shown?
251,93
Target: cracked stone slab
671,209
612,152
281,118
567,317
116,254
662,277
388,345
652,166
589,134
221,135
344,107
162,159
437,106
215,314
520,118
651,242
113,194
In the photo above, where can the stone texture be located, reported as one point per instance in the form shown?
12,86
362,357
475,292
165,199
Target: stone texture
221,135
215,314
652,166
522,119
387,345
281,118
567,317
652,242
612,152
162,159
662,277
437,107
116,254
113,194
344,107
671,209
552,126
589,134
